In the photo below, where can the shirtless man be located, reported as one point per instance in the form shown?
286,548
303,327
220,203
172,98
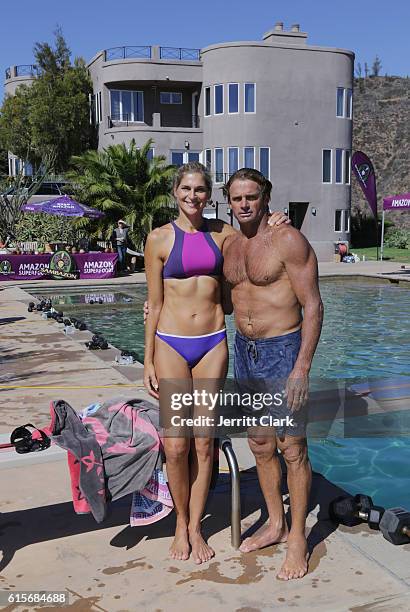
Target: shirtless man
273,276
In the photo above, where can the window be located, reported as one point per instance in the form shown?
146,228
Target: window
219,165
249,95
98,107
347,168
344,103
339,165
170,97
326,166
233,95
340,102
207,101
264,161
219,99
233,160
342,220
193,156
28,169
348,96
249,157
127,105
208,159
177,158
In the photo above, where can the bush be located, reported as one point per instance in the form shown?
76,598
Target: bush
398,238
45,228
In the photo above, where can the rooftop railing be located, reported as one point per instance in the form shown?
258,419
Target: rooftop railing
147,52
179,53
22,70
26,70
127,53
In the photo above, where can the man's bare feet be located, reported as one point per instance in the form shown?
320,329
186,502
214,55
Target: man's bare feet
296,562
179,549
265,536
201,552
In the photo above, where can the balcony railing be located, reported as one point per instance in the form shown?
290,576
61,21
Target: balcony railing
26,70
179,53
22,70
127,53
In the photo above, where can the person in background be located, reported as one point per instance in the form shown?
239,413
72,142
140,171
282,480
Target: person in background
120,241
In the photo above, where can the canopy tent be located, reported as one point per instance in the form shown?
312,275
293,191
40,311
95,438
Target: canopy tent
396,202
63,206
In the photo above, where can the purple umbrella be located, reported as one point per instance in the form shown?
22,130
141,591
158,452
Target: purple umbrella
63,206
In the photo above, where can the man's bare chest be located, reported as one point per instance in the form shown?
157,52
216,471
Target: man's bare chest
252,260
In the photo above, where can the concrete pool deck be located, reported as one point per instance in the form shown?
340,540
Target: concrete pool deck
115,568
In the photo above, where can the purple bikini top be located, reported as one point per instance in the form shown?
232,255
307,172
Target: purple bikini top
193,255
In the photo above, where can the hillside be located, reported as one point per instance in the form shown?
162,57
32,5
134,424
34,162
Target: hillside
381,129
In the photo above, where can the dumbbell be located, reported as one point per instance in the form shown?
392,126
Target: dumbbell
395,526
351,511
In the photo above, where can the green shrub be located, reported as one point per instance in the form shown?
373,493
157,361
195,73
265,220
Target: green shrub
45,228
398,238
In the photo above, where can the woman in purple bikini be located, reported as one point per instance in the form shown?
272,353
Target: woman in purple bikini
185,338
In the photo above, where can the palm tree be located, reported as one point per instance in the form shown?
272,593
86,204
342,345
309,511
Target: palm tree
124,183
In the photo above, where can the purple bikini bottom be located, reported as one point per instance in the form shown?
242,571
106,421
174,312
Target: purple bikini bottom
193,348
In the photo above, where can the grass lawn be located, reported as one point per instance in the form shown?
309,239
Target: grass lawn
389,254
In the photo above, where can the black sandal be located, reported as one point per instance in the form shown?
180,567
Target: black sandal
22,440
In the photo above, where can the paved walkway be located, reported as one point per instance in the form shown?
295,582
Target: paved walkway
115,568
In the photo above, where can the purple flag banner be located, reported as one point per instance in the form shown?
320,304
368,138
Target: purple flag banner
397,202
364,171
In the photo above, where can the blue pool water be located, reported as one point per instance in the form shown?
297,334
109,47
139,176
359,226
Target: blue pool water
365,336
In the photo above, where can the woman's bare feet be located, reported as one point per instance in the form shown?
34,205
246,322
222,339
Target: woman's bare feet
180,548
296,562
201,552
265,536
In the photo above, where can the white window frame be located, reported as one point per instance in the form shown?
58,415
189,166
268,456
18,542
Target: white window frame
259,161
209,168
343,90
208,88
223,105
342,168
239,97
348,103
347,166
170,94
237,157
132,102
254,159
331,167
344,217
254,98
223,164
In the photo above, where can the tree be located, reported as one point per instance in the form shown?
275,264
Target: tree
366,70
14,196
359,71
51,117
124,183
376,66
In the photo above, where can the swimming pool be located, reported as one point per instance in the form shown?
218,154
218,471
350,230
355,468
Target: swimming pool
365,336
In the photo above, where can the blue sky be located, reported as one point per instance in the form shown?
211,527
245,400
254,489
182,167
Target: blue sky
364,26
